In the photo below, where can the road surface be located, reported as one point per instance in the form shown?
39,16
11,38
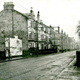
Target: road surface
38,68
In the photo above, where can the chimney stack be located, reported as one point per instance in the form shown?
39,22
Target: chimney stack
61,31
38,17
58,29
8,5
32,13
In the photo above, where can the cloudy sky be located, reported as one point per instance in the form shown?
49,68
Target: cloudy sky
63,13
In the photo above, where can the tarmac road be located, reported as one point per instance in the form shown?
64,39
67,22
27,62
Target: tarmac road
38,68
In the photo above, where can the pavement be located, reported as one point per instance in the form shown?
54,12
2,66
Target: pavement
12,59
71,72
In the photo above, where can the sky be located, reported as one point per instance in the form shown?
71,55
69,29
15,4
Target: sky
63,13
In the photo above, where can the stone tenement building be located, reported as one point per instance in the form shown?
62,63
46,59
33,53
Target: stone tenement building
13,23
24,26
34,33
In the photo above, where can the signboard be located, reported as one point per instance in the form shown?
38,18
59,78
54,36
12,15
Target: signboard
14,45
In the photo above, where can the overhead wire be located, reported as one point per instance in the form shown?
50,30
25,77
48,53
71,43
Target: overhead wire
20,6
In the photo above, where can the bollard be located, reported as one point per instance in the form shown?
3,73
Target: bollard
78,58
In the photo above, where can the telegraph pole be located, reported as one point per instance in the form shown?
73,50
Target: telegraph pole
9,48
50,35
37,32
12,25
12,9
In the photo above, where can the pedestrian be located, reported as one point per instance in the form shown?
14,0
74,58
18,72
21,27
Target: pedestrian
36,52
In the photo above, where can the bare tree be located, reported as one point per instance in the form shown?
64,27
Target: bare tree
78,29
